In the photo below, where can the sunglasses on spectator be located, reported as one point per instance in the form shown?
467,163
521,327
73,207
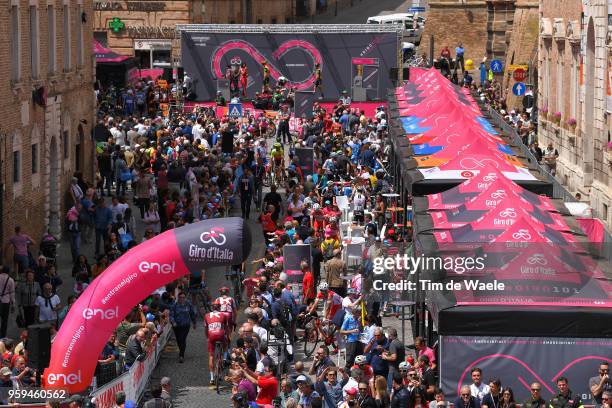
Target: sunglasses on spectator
363,389
605,371
535,389
605,398
465,395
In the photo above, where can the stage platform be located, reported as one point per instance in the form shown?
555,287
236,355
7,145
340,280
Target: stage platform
368,107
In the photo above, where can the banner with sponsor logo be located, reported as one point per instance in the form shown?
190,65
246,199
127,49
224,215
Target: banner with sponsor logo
131,278
521,361
133,382
293,56
293,255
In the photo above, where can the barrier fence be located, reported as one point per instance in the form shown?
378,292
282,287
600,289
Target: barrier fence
134,381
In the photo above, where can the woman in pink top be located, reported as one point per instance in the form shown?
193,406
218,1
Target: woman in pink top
20,244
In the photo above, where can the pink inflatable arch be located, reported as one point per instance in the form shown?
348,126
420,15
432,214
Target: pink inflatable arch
129,280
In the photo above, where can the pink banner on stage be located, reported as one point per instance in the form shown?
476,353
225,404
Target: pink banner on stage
365,61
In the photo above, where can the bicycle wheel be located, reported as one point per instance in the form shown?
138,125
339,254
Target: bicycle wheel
218,359
311,337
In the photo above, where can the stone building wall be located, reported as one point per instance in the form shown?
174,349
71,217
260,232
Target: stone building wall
42,146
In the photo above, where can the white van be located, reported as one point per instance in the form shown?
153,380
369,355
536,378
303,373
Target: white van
407,20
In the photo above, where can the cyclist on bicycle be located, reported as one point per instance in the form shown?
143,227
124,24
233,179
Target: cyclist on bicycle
227,306
277,154
333,301
216,330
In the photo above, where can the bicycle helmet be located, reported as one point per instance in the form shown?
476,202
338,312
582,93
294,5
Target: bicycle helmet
224,290
323,286
150,317
316,206
361,359
402,366
216,304
277,145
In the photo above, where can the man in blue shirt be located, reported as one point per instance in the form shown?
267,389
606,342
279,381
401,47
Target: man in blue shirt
329,388
352,328
103,218
459,51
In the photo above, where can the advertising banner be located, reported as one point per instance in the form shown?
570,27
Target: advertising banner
208,57
133,382
306,159
521,361
150,265
293,255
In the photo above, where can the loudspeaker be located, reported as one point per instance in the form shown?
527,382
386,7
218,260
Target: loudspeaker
180,74
406,74
167,75
394,74
39,346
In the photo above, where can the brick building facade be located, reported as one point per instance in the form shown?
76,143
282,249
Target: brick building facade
46,55
574,58
496,29
145,29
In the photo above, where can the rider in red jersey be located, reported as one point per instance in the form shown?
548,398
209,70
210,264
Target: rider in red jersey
228,307
216,329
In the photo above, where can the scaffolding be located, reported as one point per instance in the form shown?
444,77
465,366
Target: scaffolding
289,28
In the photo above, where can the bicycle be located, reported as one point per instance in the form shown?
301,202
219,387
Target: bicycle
219,365
316,330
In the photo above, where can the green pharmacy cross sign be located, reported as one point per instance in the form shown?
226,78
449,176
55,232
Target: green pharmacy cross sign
116,24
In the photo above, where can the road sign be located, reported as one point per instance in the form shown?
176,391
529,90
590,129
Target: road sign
416,10
234,110
519,89
497,66
513,67
519,75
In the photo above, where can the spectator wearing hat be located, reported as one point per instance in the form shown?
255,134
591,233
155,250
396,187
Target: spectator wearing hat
351,398
306,392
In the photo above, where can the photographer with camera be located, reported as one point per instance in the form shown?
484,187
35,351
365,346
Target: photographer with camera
280,349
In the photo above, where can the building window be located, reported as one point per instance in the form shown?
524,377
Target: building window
259,21
15,48
77,156
574,86
273,21
34,158
604,208
66,144
66,38
16,167
34,41
51,38
79,36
